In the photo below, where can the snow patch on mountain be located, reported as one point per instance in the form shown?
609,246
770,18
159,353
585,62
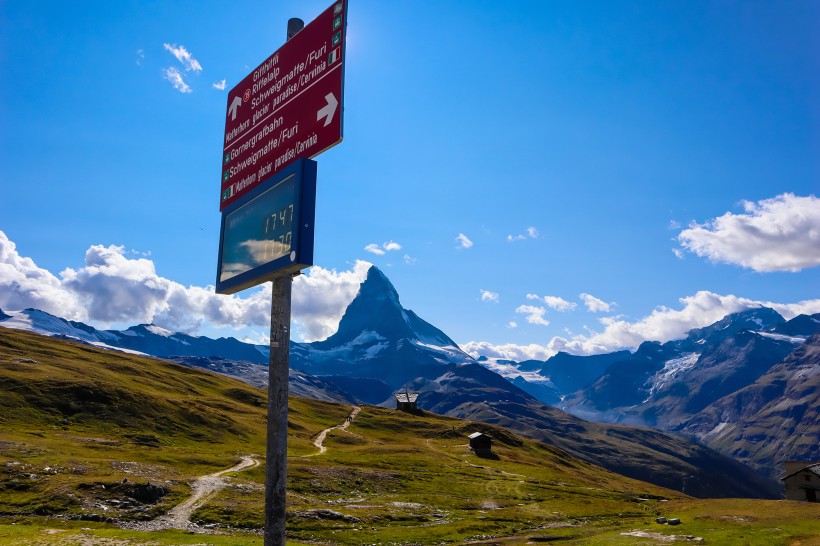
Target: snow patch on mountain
159,331
716,432
672,369
102,345
797,340
40,322
510,370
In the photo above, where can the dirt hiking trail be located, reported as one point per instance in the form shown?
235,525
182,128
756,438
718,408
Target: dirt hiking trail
319,441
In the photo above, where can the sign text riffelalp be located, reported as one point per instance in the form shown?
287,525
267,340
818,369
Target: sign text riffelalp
289,107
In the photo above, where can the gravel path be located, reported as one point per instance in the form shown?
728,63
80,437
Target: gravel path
179,517
319,441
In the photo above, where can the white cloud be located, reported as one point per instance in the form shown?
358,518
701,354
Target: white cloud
219,85
320,299
486,295
594,305
507,351
385,247
23,284
408,259
175,77
112,288
662,324
778,234
184,56
559,304
512,324
463,241
606,321
534,315
140,57
530,233
553,302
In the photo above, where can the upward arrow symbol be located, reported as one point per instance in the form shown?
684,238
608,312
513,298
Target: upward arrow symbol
234,107
328,110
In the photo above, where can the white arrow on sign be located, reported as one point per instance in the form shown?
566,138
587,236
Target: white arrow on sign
234,107
328,110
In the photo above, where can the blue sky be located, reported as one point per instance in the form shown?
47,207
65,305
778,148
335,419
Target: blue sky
535,175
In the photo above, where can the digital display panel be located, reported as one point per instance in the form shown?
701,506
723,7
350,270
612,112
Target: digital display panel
259,232
269,233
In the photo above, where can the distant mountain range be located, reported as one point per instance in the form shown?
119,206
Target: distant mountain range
380,347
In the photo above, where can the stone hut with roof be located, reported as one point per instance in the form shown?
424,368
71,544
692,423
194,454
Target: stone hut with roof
406,401
480,442
802,481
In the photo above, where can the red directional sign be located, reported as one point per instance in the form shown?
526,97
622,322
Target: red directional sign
289,107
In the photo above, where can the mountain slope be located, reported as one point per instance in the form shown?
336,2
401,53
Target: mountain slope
377,338
89,434
662,385
776,418
145,338
389,474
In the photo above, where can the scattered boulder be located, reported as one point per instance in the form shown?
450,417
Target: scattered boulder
325,514
145,493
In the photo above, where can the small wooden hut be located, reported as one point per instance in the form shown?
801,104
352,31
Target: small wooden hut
406,401
802,481
480,442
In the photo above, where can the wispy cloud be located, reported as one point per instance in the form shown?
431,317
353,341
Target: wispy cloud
189,63
140,56
778,234
184,57
374,248
175,77
529,233
512,324
463,241
595,305
487,295
219,85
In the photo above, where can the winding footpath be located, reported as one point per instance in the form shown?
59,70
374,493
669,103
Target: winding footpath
319,441
179,517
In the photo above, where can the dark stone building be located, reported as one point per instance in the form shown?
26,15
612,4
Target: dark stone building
480,442
406,401
802,481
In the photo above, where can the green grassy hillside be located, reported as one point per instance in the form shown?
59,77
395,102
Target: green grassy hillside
91,439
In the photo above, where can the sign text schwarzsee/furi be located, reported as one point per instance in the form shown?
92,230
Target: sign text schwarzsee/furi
288,107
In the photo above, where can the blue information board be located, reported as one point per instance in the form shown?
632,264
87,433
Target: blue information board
269,232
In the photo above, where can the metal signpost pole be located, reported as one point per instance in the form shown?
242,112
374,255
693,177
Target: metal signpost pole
276,458
277,441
